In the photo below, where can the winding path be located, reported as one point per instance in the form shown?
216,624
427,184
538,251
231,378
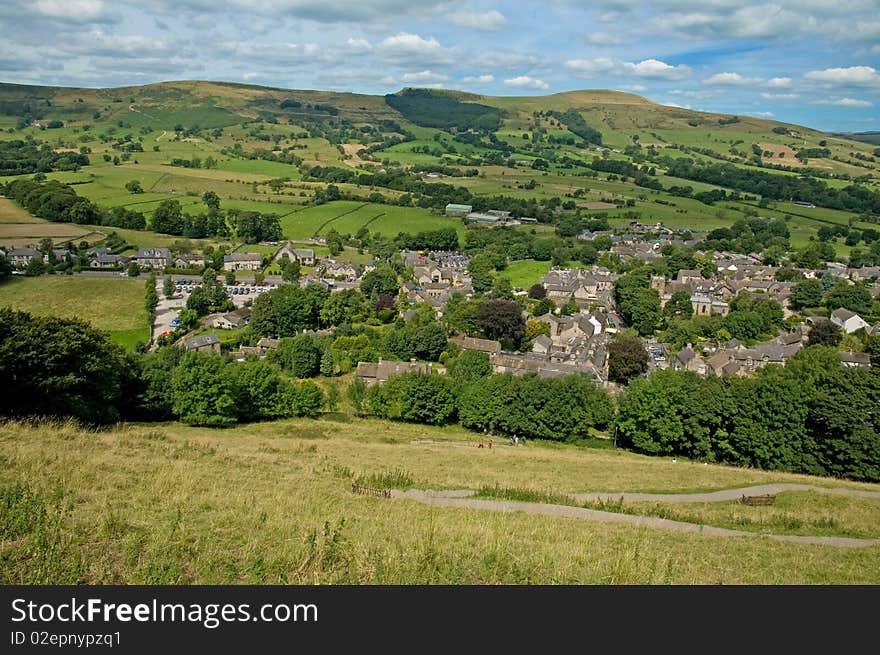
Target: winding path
724,494
462,498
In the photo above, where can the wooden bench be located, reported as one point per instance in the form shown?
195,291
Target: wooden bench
767,499
367,491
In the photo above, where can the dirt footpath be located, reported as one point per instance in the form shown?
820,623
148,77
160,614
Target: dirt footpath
461,498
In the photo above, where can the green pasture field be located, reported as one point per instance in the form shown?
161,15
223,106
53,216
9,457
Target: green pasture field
272,503
347,217
112,304
260,167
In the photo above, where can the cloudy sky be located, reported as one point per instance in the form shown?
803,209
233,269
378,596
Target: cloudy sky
812,62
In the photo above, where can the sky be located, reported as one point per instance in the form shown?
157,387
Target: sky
809,62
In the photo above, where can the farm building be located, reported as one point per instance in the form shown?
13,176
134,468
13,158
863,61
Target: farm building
484,218
458,210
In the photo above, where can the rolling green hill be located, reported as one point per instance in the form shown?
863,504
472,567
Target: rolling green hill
185,138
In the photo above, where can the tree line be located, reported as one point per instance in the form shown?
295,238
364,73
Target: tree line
774,186
65,368
812,416
18,157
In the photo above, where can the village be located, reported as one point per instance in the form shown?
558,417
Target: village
581,321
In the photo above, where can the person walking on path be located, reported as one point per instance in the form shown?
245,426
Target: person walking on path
490,444
481,444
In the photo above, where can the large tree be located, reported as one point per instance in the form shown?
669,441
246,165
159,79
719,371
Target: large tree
503,321
627,358
58,367
854,297
824,333
168,218
382,281
469,366
806,293
670,412
288,310
301,355
679,306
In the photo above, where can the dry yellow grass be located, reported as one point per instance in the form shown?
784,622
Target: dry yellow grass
17,234
12,213
270,503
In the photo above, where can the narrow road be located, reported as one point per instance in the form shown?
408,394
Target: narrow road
460,498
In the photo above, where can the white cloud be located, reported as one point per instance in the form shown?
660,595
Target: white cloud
338,11
489,21
478,79
412,48
77,10
280,54
591,67
853,75
771,20
423,77
752,22
779,82
655,69
357,46
526,82
763,114
731,79
98,43
844,102
780,96
648,68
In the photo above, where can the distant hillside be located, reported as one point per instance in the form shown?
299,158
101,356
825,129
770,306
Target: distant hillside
863,137
552,158
225,103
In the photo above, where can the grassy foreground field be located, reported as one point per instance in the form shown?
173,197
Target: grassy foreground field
272,503
113,304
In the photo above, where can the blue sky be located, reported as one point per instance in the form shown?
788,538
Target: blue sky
811,62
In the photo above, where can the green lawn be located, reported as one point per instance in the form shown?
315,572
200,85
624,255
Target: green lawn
112,304
526,272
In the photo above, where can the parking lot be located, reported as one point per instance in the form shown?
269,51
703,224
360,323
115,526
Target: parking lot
168,309
240,294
